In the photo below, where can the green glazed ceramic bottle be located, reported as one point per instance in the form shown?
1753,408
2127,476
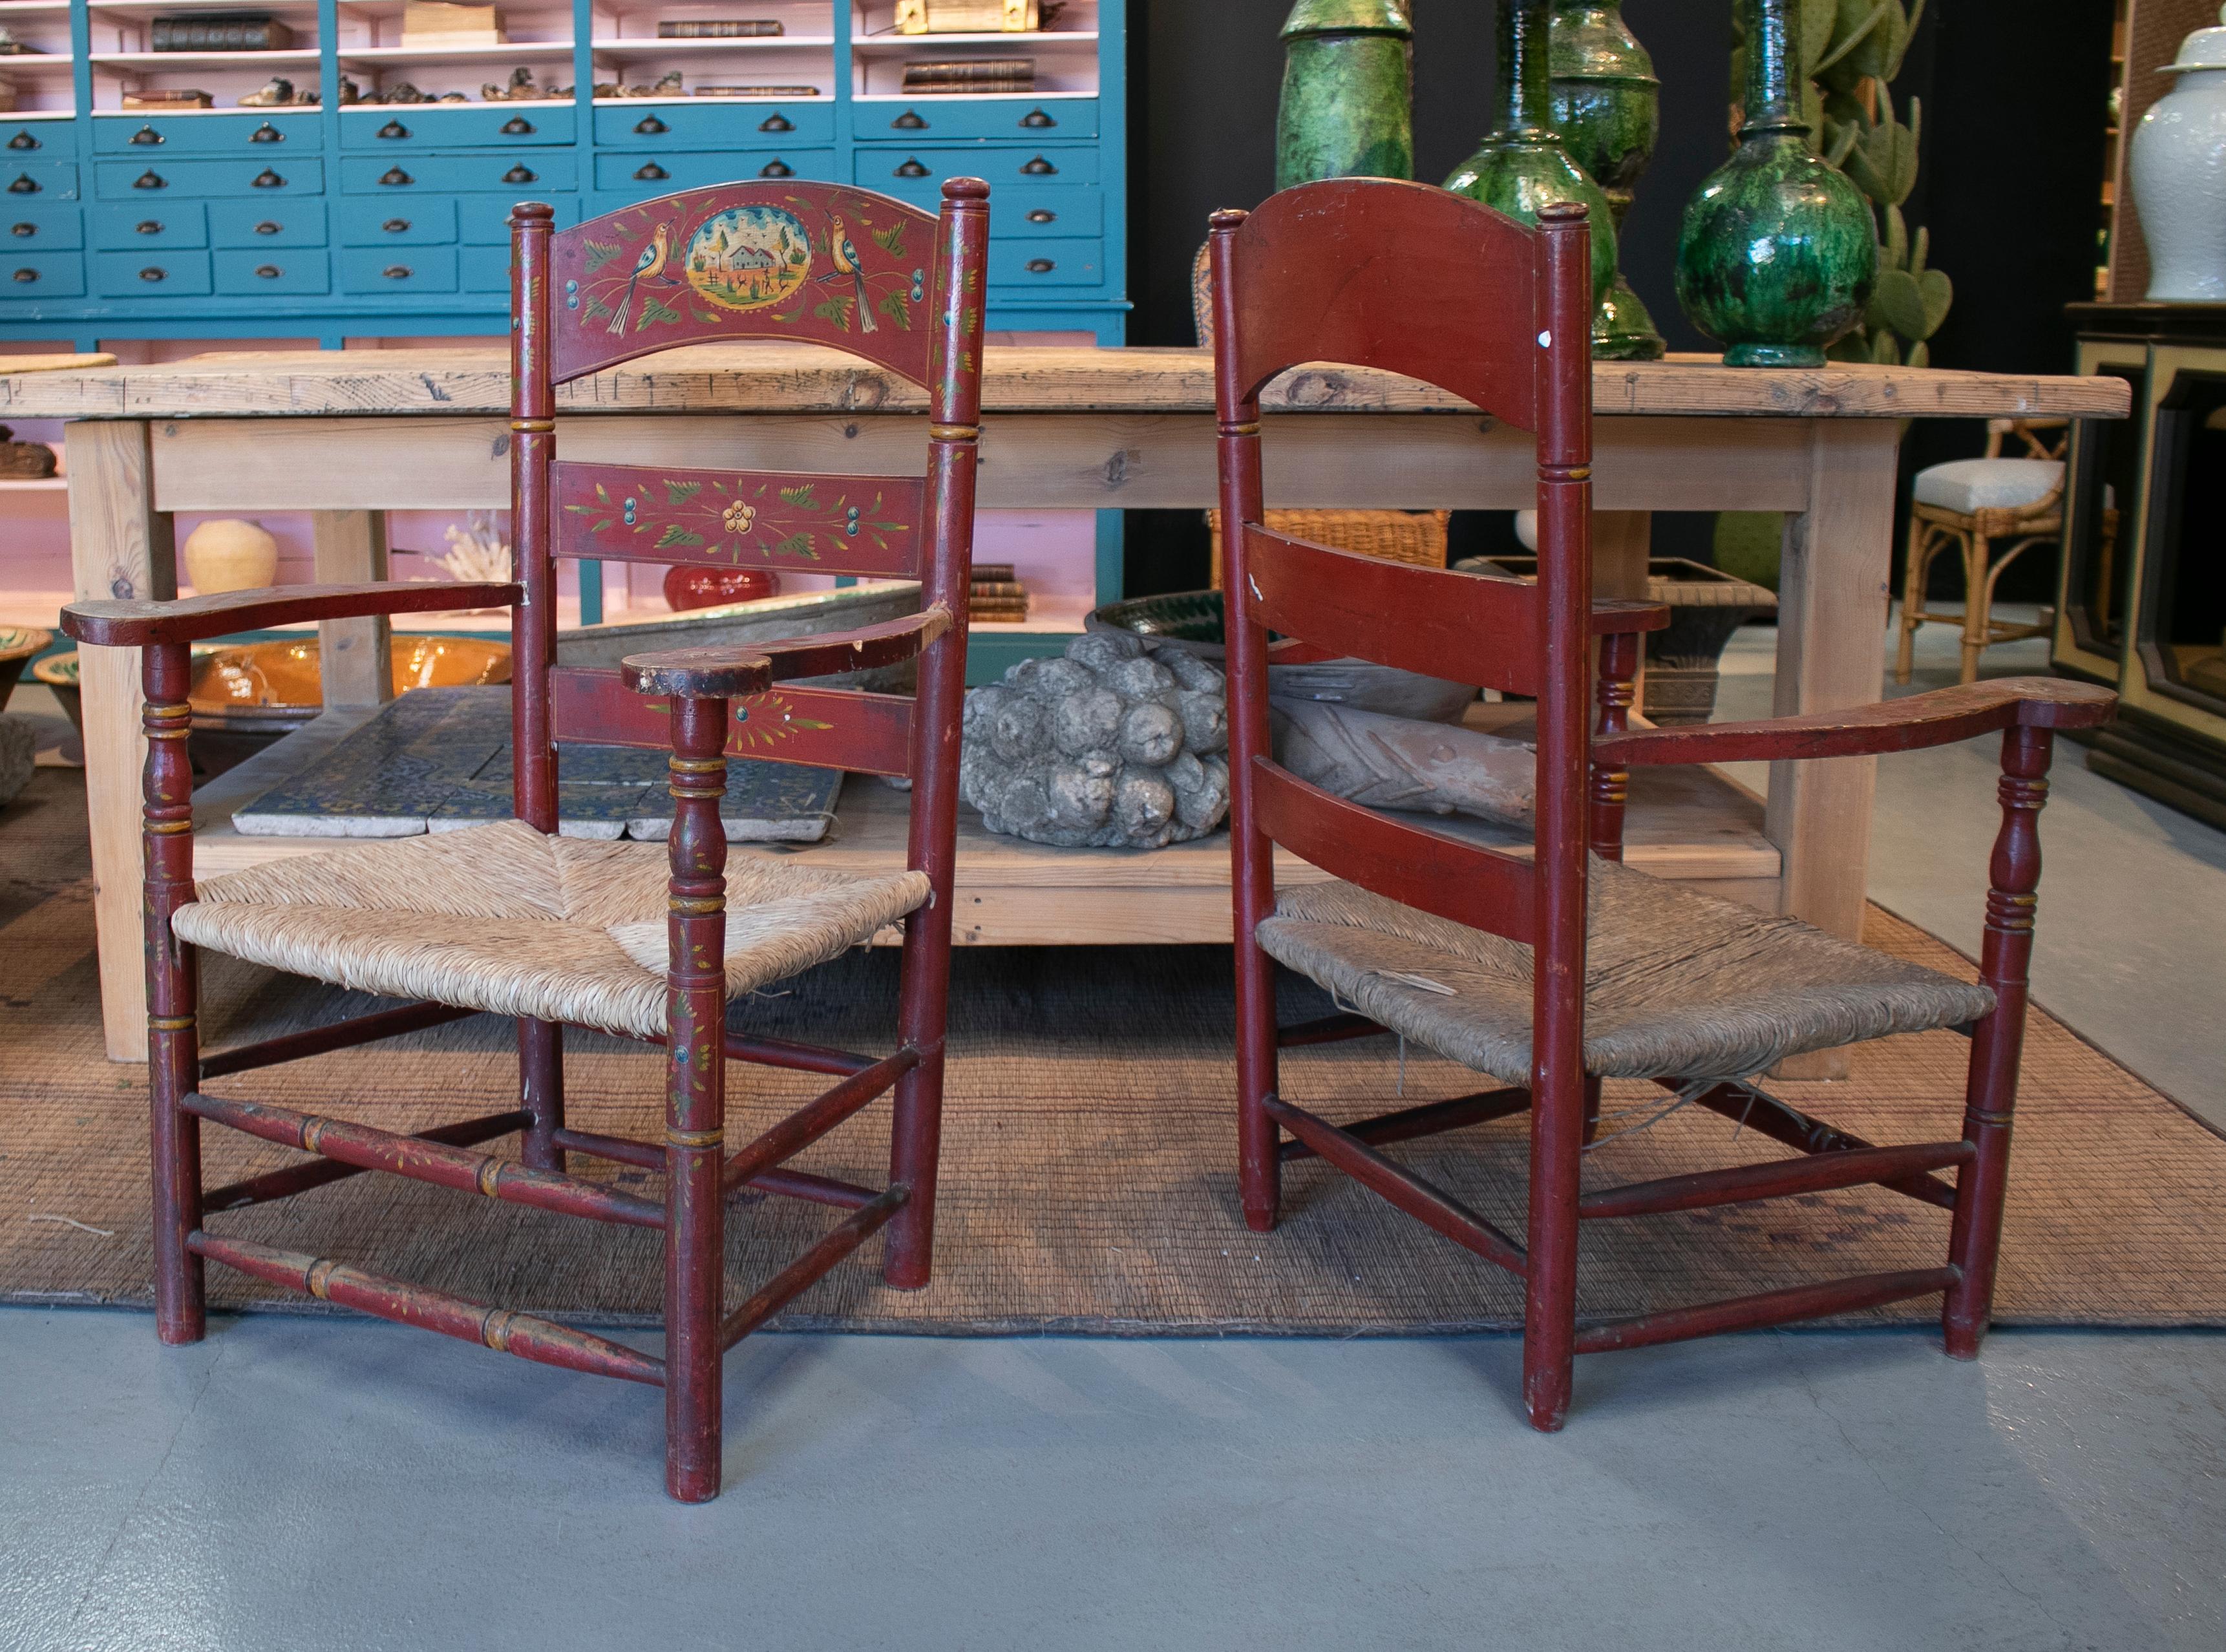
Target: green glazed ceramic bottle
1608,106
1522,166
1348,103
1778,251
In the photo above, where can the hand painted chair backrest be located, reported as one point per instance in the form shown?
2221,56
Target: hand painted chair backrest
816,262
1409,279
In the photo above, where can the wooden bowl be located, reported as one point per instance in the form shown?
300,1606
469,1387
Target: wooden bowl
18,643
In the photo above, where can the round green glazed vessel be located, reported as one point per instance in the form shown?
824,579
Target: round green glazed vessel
1606,104
1779,251
1523,167
1347,109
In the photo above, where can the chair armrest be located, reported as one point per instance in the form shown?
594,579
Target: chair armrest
189,620
752,668
1940,718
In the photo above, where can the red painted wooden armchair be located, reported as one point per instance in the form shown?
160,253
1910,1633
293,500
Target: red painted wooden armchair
1551,973
645,941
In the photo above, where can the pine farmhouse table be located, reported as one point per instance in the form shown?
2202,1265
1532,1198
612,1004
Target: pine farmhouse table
346,435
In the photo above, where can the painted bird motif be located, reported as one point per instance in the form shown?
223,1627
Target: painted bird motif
650,263
846,262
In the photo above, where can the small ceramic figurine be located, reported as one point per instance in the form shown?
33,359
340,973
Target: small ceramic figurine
276,93
1347,107
2178,167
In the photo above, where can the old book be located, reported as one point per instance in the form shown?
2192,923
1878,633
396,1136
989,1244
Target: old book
717,28
968,16
445,20
757,92
972,68
182,99
994,571
242,33
998,589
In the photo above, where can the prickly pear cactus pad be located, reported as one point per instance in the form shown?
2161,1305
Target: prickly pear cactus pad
1109,747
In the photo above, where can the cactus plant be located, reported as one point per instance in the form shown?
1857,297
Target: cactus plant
1856,49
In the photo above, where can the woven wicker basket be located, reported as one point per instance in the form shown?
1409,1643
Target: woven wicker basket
1415,536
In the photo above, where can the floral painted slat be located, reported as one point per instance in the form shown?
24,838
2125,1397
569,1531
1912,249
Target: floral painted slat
827,729
822,262
867,525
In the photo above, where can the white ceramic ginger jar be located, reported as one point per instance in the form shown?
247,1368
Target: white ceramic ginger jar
2179,176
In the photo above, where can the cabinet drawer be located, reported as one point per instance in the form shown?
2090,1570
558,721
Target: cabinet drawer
38,180
252,272
664,171
398,269
40,229
410,223
251,133
891,168
484,268
1025,261
407,129
714,124
159,273
937,120
484,220
156,176
133,226
266,224
40,274
514,173
1059,210
50,140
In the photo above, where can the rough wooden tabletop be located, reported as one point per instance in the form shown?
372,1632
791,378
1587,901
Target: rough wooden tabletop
776,377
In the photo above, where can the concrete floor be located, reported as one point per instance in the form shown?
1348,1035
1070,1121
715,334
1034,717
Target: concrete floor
309,1483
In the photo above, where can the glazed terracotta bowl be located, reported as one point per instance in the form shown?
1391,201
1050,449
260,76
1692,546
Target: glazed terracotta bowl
18,644
1193,621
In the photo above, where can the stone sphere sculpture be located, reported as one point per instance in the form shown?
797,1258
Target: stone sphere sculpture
1107,748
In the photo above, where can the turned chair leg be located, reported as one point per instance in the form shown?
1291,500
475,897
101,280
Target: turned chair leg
1998,1042
1914,565
541,1085
1978,597
916,1132
695,1101
173,1038
1558,1106
1259,1160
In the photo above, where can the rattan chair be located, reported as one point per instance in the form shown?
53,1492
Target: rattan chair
646,941
1551,973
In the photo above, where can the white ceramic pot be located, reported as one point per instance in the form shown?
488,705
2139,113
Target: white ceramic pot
2179,170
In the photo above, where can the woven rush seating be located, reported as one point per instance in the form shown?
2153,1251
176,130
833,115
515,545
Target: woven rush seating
1678,984
501,917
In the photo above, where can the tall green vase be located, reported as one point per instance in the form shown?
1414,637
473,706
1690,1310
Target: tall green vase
1347,109
1779,251
1521,166
1608,106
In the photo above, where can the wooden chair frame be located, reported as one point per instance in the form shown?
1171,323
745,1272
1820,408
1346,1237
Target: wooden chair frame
697,702
1395,276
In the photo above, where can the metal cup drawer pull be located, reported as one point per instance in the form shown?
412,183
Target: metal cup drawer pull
777,169
23,141
521,173
1037,118
1039,167
150,179
776,124
266,133
395,226
145,135
650,126
27,185
395,178
22,229
1041,266
269,271
148,227
27,275
517,126
393,129
650,172
397,272
268,227
266,179
153,272
909,121
1043,215
911,168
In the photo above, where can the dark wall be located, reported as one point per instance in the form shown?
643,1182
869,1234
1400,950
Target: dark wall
2012,169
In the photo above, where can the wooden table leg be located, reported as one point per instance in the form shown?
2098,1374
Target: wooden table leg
1832,612
120,546
353,655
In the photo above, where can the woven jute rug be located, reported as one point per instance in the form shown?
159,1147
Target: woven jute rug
1088,1179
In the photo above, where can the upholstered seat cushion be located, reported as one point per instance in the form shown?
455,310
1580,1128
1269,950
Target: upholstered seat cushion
1679,984
1969,485
503,919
